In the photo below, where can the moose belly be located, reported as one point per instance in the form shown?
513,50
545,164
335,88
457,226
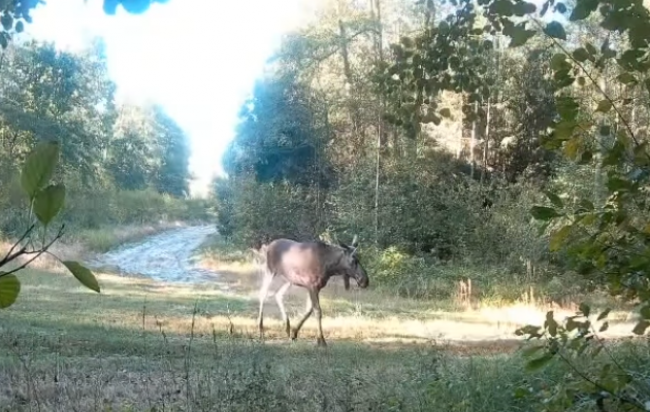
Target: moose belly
306,279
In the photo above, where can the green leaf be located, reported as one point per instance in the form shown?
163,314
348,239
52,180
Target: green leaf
585,309
604,327
520,393
585,157
591,49
556,30
39,167
518,34
604,106
581,81
49,202
555,199
558,61
640,327
9,290
543,212
626,78
539,363
586,204
572,147
615,184
604,314
7,21
531,350
445,112
558,237
645,312
572,325
522,8
564,130
581,55
20,27
583,9
503,8
567,107
83,274
605,130
615,154
551,324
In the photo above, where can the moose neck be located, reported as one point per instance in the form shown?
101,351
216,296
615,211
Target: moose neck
333,266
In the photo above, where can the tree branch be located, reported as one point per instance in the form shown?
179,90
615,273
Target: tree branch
10,255
37,253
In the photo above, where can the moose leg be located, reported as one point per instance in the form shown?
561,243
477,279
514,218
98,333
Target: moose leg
313,294
310,309
264,291
279,297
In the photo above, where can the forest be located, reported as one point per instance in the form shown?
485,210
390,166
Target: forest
121,163
490,155
432,130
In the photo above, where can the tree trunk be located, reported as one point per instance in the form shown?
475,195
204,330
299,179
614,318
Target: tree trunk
355,117
472,142
381,130
486,141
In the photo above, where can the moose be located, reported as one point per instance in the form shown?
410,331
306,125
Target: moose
309,265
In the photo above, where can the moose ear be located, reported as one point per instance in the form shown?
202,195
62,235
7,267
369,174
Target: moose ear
355,241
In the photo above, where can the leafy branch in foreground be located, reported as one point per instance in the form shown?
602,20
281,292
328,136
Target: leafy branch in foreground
46,201
601,379
606,237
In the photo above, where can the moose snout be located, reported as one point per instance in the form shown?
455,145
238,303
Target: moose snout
363,283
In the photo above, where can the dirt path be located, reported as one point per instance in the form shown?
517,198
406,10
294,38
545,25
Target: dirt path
168,256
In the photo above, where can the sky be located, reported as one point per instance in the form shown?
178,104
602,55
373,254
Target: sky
197,58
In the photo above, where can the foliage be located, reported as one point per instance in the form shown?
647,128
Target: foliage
47,201
527,105
109,153
281,135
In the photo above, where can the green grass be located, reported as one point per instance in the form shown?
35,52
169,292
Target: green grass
144,346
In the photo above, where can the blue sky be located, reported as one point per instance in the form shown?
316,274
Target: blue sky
198,58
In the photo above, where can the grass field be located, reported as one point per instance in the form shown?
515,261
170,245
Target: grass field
148,346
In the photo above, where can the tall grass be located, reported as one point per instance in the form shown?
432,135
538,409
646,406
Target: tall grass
145,347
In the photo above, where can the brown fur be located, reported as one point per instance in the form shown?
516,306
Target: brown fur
309,265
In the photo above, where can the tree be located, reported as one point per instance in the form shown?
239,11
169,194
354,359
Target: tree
280,135
172,174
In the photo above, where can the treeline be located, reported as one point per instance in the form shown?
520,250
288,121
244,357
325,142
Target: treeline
121,163
429,130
